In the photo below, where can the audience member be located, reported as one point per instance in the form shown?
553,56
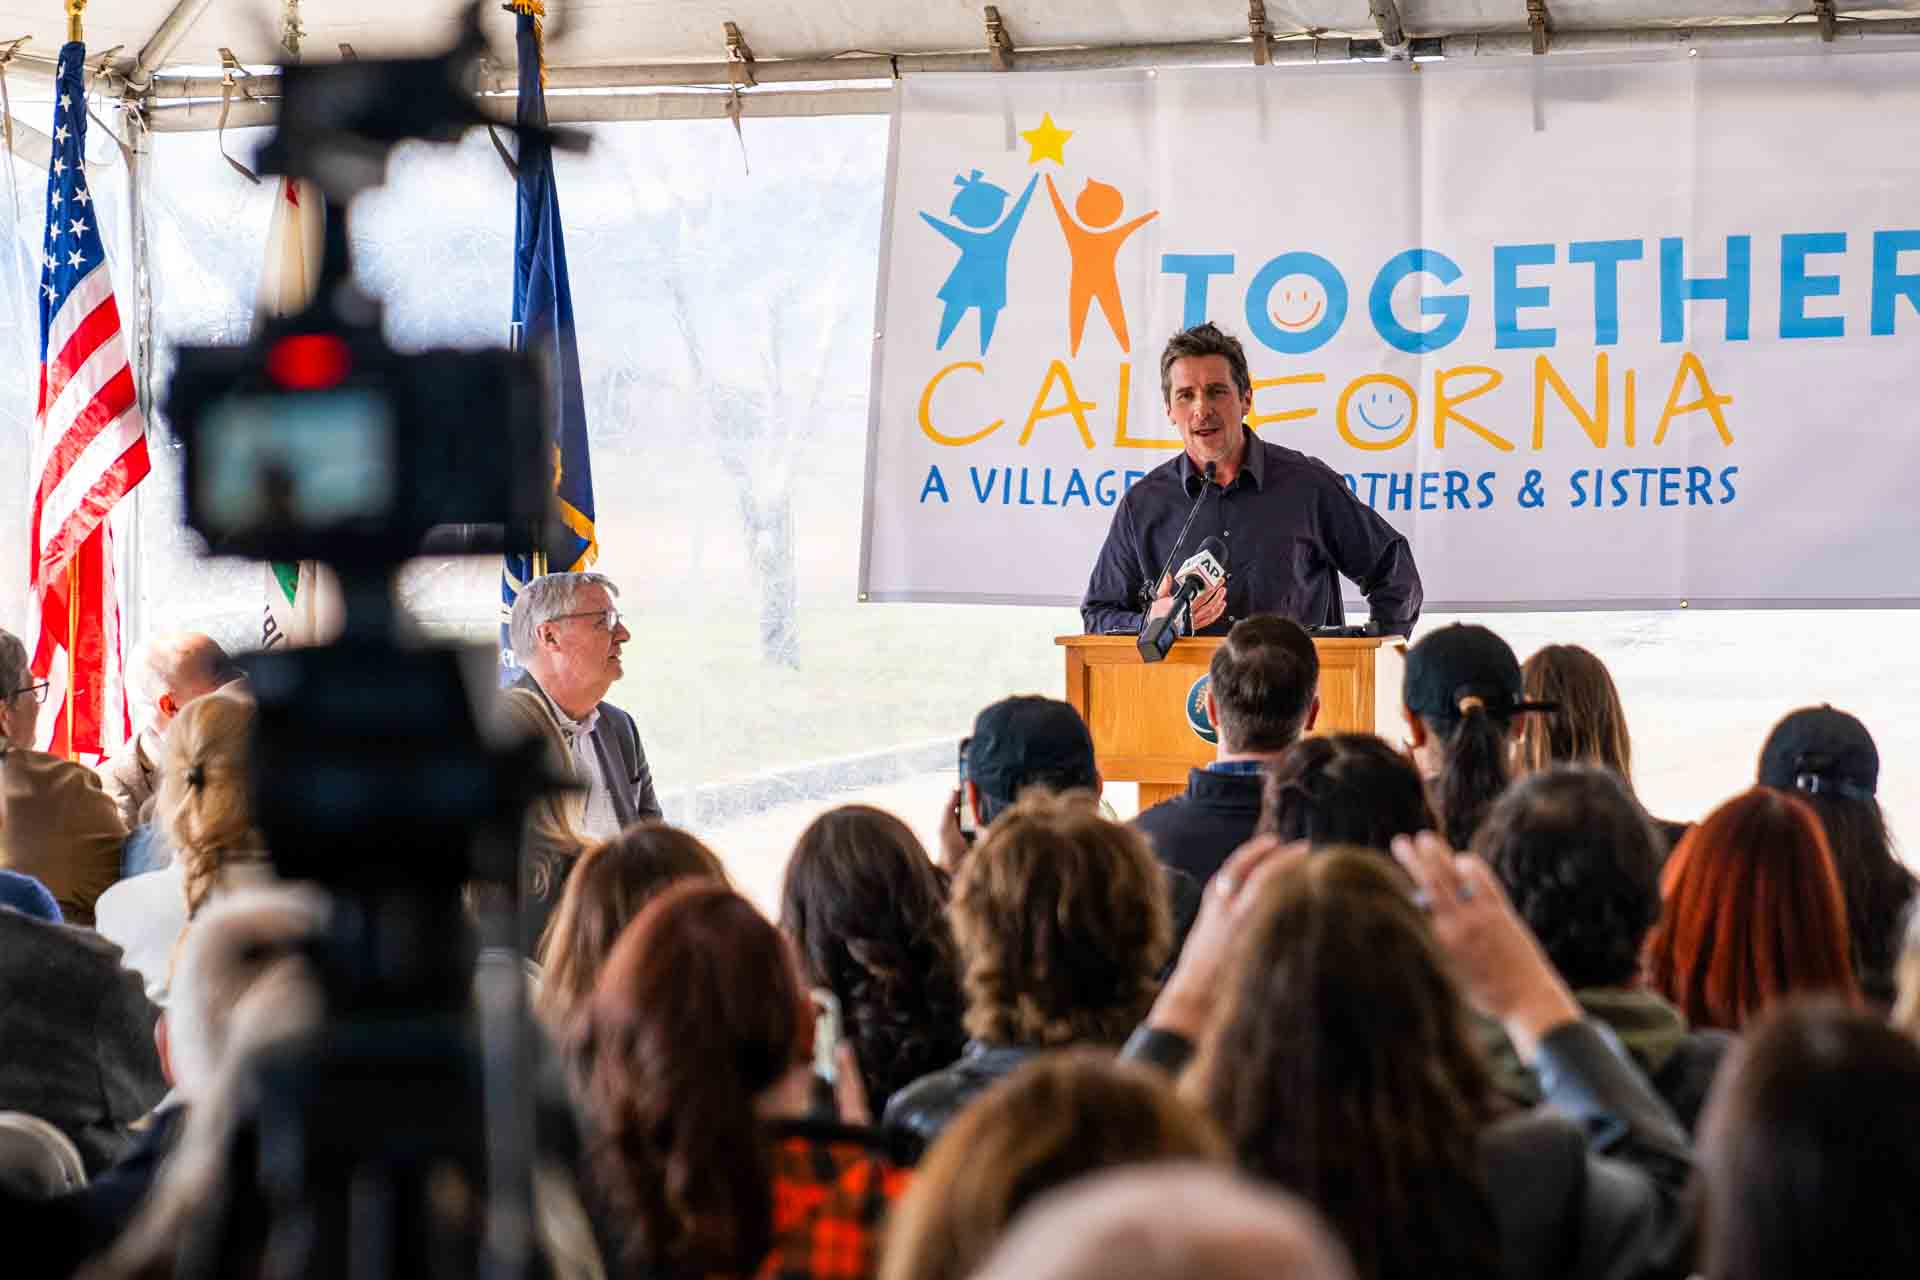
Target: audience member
611,884
1262,694
1033,742
236,941
56,824
1581,862
1587,724
1171,1221
1808,1150
1058,1118
1344,789
1062,922
692,1059
1462,699
551,838
1753,913
171,671
29,897
867,911
76,1035
567,635
204,808
1340,1065
1828,759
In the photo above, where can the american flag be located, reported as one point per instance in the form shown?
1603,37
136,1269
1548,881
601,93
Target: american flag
89,449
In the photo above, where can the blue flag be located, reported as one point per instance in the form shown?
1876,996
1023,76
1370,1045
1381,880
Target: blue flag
543,325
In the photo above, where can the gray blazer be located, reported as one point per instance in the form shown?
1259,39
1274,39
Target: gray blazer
623,761
76,1035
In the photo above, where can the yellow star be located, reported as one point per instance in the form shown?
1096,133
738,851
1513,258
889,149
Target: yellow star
1048,141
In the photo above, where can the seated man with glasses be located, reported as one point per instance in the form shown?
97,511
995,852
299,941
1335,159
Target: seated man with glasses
56,824
566,636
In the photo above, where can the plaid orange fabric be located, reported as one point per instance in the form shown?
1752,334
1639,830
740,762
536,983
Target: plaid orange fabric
830,1197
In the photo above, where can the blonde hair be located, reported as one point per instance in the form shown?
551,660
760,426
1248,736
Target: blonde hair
1058,1118
1062,921
552,837
202,803
1588,727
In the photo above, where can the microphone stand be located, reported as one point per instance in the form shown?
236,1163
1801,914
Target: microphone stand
1153,588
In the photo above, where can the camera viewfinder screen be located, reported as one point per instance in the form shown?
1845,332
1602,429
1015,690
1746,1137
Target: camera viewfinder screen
308,462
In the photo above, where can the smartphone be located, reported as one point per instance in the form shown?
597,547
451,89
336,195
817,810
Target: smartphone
826,1034
962,811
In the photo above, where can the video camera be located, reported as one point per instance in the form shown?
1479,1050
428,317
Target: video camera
373,774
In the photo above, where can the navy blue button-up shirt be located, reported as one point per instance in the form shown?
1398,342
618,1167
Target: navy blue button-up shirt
1291,527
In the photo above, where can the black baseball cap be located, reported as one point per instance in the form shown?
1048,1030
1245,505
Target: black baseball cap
1021,741
1818,749
1462,661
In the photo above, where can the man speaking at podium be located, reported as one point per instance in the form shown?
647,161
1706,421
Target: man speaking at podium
1287,523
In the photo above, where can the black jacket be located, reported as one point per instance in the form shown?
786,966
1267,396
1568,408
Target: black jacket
916,1114
1195,832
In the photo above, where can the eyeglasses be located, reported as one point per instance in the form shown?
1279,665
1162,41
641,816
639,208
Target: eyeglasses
39,692
609,617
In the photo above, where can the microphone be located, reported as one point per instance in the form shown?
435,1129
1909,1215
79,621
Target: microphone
1204,571
1174,554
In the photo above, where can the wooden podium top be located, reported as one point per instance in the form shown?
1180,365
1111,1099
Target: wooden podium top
1193,646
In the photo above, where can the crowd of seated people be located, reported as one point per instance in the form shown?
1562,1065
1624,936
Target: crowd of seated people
1341,1010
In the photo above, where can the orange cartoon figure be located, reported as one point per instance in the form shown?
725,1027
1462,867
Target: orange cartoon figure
1095,248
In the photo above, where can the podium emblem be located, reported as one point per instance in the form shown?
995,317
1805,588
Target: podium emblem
1197,711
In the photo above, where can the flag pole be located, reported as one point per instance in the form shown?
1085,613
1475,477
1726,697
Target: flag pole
73,631
76,33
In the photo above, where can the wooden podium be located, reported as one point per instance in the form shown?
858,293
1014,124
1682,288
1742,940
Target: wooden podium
1138,711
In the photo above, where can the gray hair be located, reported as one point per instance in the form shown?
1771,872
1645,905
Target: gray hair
546,598
13,663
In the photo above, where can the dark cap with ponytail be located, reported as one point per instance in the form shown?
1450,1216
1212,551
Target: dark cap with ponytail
1465,683
1452,668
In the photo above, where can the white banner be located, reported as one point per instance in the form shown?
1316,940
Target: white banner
1592,335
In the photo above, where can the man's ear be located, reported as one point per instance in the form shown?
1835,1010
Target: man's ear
1313,715
163,1045
1213,712
1416,727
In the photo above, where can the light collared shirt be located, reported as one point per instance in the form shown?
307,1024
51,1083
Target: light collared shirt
599,821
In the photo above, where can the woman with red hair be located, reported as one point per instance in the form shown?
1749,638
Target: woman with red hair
692,1059
1753,913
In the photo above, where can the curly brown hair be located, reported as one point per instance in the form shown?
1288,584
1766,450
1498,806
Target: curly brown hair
1344,1070
611,884
1062,922
1060,1117
697,1013
867,910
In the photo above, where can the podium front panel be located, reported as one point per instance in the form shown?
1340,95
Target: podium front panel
1147,720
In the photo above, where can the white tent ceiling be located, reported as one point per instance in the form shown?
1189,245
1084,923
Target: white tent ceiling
628,32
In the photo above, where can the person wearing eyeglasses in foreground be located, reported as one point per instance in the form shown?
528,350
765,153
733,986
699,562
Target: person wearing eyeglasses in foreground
56,824
567,636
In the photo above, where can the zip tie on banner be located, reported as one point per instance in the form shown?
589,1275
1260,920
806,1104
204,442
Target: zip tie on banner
229,68
739,67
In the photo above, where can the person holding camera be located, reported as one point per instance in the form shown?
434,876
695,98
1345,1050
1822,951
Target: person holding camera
567,636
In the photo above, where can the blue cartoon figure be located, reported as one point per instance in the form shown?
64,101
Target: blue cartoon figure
979,279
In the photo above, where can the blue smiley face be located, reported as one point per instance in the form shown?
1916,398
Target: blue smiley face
1383,404
1298,307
